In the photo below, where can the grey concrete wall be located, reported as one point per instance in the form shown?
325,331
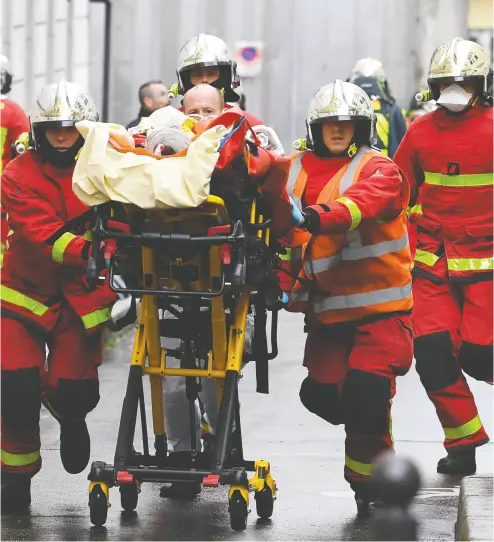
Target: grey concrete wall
306,44
44,41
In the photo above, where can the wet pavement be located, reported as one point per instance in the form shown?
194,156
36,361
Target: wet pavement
306,455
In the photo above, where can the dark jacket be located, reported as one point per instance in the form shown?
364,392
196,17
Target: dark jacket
142,113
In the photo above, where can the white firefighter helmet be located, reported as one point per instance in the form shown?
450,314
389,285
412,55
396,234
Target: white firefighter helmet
5,74
205,50
458,61
368,67
63,104
341,101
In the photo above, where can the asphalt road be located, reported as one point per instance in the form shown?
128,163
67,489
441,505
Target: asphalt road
306,455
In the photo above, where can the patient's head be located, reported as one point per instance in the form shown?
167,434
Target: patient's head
203,103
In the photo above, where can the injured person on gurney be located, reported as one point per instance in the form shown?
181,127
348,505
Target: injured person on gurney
177,159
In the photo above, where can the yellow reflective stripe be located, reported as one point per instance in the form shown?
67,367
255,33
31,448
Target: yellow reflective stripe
480,179
60,245
427,258
362,468
287,256
415,210
3,137
88,235
382,129
20,460
464,430
470,264
21,300
363,299
354,211
95,318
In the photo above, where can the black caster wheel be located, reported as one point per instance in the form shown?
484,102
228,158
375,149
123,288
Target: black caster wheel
98,505
129,495
238,512
264,503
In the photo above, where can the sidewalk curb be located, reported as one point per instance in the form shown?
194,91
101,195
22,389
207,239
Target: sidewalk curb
475,508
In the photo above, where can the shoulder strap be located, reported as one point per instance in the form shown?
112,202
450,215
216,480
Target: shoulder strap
295,190
363,155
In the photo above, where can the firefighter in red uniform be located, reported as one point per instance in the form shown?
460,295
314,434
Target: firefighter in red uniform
13,123
354,285
447,157
202,59
45,301
206,59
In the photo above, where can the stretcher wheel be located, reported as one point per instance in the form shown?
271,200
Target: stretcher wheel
98,506
238,512
129,495
264,503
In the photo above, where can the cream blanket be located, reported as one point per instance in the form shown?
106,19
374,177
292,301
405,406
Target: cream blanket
104,174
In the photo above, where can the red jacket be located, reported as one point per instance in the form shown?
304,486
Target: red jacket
378,196
13,123
448,158
42,268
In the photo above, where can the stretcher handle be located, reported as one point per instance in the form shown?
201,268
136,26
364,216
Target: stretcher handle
93,267
174,238
239,275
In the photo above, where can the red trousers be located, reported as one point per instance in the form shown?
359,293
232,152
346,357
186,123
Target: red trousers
67,379
453,332
352,371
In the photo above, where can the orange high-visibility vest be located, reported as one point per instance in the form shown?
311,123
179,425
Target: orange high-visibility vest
358,274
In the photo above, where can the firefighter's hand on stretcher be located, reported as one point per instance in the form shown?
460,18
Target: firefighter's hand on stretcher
99,255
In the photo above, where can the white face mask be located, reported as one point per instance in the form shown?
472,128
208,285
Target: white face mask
454,98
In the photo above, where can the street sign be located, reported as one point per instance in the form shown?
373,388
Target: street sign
249,56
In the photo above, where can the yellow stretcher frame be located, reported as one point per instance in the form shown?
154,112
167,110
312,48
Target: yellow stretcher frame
226,355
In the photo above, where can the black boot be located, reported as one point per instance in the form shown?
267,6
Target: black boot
458,462
16,492
365,500
180,490
75,445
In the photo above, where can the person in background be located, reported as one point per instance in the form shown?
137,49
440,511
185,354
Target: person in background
447,158
368,74
417,109
13,122
153,95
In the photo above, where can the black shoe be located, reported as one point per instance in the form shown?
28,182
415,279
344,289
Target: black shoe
16,492
180,490
458,462
75,445
366,508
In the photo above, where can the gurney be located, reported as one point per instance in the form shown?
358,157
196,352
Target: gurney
208,266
